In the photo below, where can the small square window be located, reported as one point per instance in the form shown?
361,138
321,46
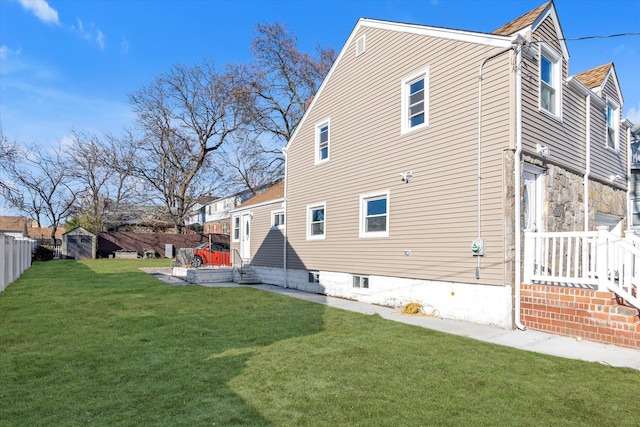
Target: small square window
277,219
314,277
361,282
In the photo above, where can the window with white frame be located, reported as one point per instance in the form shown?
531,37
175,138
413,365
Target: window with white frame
322,142
361,282
277,219
415,101
374,214
225,228
612,126
316,221
236,228
550,80
314,277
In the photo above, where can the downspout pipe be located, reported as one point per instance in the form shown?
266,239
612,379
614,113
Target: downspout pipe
479,160
517,181
286,220
587,171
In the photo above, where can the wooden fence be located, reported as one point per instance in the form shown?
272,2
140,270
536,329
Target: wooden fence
15,258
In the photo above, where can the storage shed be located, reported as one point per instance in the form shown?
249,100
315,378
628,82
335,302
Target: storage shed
79,244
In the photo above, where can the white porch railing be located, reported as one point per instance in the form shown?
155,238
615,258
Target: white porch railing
595,259
15,258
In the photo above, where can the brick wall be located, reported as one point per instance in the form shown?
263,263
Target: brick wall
576,312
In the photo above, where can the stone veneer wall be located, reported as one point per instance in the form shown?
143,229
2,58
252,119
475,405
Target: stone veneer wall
564,200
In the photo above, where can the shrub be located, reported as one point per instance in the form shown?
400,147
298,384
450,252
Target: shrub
42,254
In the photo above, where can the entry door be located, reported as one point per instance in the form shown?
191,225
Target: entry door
245,237
532,202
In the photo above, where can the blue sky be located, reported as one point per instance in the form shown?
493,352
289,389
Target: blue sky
70,64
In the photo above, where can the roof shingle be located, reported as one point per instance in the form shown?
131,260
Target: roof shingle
521,22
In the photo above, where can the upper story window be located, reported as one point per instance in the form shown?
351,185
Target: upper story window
374,215
612,126
316,222
550,81
322,142
415,101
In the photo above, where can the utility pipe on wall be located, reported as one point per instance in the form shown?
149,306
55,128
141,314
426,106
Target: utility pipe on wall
517,172
479,160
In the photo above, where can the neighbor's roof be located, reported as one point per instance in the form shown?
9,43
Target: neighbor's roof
594,77
522,22
276,191
13,223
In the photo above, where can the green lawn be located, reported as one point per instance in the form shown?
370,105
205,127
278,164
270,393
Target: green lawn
102,343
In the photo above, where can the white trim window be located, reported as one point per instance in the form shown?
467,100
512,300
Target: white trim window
316,221
613,124
360,282
374,214
550,81
322,142
236,228
415,102
277,219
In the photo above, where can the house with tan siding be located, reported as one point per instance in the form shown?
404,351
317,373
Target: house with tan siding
430,155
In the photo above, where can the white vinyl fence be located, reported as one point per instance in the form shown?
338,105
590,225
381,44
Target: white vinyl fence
15,258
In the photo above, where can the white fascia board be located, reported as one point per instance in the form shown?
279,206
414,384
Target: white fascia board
579,87
486,39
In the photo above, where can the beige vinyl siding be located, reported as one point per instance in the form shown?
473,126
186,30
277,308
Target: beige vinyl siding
564,136
266,242
606,161
434,215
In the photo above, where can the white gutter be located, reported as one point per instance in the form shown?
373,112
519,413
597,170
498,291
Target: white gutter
517,179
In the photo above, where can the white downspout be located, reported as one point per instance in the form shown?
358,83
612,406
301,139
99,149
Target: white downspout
479,160
517,180
587,171
286,220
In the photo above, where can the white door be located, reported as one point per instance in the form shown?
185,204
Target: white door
245,237
532,202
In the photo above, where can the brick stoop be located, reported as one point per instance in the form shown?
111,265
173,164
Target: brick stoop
578,312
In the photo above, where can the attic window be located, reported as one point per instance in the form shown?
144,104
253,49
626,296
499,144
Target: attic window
612,126
360,45
550,78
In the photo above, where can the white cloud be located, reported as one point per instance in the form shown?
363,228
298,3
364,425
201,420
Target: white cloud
41,10
91,33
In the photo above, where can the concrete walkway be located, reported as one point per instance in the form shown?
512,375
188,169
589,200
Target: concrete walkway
528,340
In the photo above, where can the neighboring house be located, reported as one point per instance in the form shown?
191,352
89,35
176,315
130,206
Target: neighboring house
19,226
14,226
128,217
214,213
79,243
427,159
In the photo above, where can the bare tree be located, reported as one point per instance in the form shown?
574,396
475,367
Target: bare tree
280,84
40,186
185,115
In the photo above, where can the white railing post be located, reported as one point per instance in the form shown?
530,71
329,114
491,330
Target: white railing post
602,258
529,254
3,265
